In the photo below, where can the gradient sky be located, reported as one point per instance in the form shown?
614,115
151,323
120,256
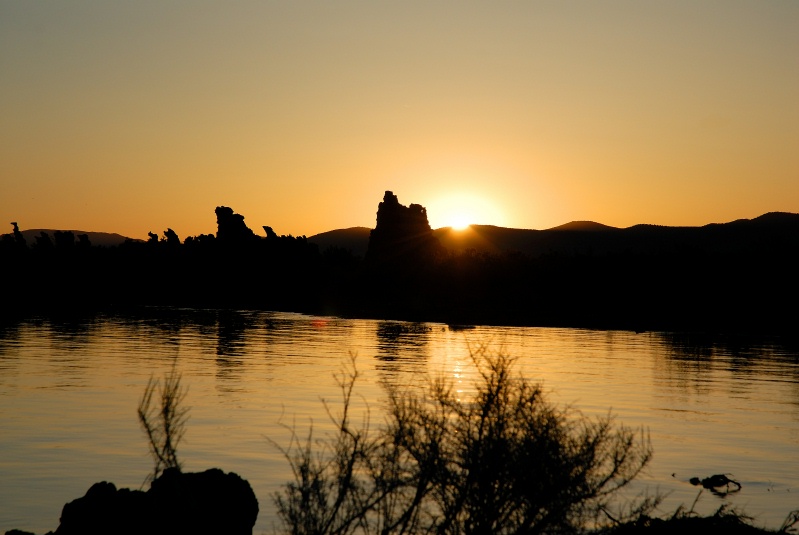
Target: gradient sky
132,117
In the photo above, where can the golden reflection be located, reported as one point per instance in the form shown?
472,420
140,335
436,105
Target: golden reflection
710,407
451,358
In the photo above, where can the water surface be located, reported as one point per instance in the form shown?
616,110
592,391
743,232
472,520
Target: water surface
69,392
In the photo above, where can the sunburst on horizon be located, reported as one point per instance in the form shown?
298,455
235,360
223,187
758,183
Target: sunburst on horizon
461,210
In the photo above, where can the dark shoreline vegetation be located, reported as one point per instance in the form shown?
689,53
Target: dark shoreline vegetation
732,280
737,277
505,461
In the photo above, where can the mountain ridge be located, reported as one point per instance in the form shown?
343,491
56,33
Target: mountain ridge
104,239
731,277
589,237
574,236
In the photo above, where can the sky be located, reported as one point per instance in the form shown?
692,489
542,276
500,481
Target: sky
132,117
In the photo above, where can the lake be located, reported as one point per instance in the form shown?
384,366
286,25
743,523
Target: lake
69,391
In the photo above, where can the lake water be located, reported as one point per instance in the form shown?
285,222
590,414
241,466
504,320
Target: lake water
69,393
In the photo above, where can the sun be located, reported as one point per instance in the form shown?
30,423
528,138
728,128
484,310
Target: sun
459,221
460,210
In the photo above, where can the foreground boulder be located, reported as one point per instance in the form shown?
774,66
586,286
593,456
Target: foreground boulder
209,502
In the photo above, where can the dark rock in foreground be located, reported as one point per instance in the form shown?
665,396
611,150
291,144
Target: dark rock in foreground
209,502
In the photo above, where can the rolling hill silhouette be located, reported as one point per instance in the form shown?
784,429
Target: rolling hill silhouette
353,239
733,277
576,237
771,230
103,239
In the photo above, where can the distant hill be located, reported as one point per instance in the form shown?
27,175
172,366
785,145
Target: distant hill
730,277
105,239
774,229
485,238
584,226
770,230
354,239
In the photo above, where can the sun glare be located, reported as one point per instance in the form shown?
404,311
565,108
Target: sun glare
460,210
459,221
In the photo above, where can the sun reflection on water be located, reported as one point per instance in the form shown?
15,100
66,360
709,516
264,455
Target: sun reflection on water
70,394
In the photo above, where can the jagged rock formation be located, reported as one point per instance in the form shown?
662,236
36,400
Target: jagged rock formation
270,233
18,237
231,227
171,237
200,503
402,233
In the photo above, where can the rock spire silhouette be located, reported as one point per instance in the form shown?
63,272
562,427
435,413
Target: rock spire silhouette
401,233
231,227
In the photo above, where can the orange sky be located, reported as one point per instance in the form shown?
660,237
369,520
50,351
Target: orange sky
132,117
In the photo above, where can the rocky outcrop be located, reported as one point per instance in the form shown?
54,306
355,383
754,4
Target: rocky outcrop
270,233
231,227
18,237
402,233
171,238
200,503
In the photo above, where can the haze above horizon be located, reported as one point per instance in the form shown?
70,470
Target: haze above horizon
135,117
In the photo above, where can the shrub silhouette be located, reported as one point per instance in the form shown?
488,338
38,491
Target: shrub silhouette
164,423
506,461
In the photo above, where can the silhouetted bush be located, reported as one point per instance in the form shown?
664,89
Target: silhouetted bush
164,423
506,461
